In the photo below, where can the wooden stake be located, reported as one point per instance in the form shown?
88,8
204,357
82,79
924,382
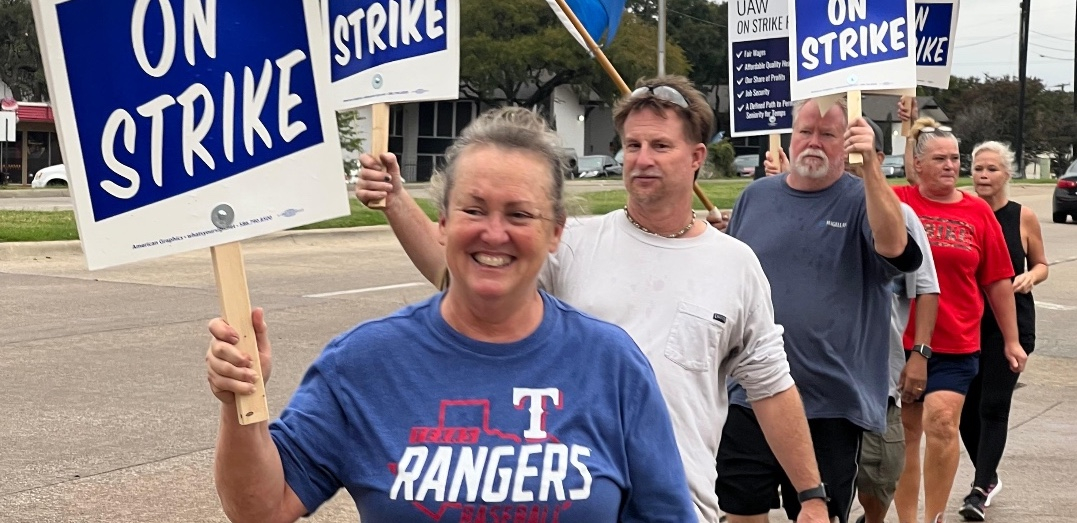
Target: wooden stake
236,310
775,146
855,112
379,140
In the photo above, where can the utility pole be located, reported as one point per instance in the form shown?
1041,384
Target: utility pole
661,37
1022,68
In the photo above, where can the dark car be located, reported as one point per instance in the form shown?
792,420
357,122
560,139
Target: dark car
1065,200
597,165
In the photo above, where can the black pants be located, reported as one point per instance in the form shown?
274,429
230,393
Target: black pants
985,416
749,475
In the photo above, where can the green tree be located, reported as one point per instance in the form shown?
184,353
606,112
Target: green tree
20,55
720,155
350,142
518,52
699,27
986,109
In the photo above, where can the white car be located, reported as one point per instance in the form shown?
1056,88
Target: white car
53,176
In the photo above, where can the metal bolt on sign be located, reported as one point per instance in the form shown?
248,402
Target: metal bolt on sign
222,216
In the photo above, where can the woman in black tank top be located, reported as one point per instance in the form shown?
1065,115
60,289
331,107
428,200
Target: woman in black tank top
986,412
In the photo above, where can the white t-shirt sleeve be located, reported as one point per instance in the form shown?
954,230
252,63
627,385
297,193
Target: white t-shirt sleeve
760,366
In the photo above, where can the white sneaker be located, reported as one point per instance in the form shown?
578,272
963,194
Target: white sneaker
993,490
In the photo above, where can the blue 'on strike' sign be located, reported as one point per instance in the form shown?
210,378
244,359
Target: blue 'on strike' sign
172,96
933,33
846,33
368,33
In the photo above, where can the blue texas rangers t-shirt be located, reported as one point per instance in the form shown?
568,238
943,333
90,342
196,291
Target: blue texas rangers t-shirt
420,423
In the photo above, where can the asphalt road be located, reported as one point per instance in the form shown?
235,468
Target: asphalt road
107,416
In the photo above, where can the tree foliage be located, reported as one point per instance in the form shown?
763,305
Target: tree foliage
986,109
20,55
351,144
518,52
699,27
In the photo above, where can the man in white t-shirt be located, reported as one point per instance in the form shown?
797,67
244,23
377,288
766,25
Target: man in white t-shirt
695,300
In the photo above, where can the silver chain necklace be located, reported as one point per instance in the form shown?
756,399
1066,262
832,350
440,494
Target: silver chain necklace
677,234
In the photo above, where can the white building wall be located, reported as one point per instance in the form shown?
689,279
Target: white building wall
568,115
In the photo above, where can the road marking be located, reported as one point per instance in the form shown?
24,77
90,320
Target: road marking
1063,260
1054,306
368,289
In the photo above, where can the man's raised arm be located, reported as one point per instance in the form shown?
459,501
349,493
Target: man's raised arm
417,234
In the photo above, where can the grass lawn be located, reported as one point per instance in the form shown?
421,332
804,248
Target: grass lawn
28,226
361,216
723,193
36,226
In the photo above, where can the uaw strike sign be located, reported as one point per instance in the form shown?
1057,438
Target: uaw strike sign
190,123
759,67
390,51
936,28
844,45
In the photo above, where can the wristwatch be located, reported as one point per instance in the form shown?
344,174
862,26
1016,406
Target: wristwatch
814,493
922,350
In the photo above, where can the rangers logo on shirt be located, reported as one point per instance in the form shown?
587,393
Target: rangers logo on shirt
486,474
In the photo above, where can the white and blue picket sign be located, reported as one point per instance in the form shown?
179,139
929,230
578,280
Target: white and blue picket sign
170,108
842,45
936,28
391,51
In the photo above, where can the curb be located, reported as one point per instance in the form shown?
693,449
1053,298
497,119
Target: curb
34,193
13,250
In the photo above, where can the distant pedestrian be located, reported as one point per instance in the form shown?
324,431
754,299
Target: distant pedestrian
986,414
971,261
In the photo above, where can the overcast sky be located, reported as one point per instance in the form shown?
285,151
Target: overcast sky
987,41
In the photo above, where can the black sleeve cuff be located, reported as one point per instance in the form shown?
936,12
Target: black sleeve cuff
910,259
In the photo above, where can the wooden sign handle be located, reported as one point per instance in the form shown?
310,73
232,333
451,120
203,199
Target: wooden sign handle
236,310
379,140
775,147
702,197
855,112
906,125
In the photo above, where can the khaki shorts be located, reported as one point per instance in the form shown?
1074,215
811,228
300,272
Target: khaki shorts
882,457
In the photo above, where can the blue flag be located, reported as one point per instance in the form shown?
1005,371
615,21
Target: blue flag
598,17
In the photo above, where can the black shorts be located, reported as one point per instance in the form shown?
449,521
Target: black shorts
749,475
952,372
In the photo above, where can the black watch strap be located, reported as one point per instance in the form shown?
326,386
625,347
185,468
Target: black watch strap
923,350
813,493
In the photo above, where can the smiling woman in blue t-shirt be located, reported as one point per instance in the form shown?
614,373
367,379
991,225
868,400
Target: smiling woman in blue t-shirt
491,401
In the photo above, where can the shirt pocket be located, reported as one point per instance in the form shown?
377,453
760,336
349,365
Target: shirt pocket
695,334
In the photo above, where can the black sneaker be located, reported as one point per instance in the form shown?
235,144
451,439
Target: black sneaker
973,508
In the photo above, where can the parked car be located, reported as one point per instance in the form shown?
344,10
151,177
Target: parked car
570,153
1065,199
594,165
894,166
52,176
745,164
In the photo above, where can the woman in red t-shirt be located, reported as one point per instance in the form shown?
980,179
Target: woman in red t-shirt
970,258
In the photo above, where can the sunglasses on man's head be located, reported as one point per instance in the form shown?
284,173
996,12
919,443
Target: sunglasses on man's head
662,92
